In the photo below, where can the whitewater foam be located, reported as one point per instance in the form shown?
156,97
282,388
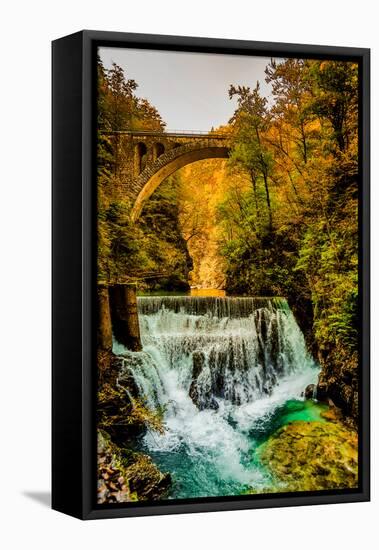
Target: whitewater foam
249,364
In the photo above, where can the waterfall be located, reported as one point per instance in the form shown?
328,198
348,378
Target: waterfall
218,367
220,307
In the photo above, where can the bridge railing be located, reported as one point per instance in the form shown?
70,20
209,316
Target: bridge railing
169,133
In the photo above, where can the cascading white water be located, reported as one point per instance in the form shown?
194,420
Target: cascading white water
219,368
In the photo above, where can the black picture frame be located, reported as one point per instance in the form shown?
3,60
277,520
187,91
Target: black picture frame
74,272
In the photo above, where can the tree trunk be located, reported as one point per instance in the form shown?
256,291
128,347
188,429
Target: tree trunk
254,181
265,178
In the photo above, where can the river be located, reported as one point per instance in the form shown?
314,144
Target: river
226,372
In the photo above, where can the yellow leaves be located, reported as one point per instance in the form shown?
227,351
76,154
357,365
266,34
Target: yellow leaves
204,185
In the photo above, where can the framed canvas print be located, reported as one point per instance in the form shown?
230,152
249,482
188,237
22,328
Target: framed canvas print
210,274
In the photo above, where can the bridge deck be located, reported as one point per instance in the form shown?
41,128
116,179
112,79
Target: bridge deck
169,133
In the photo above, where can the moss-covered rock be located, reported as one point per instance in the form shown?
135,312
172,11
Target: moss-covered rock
126,476
311,456
146,480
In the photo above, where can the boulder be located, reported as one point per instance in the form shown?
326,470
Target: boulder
201,393
310,391
322,392
312,456
126,476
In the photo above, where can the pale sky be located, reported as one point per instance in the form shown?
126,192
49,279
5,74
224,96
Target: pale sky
190,90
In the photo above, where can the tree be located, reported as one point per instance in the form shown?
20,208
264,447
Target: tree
153,251
250,121
335,98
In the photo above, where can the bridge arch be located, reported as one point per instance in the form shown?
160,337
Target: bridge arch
140,157
158,150
150,179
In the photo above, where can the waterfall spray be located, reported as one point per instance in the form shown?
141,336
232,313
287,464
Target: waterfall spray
218,367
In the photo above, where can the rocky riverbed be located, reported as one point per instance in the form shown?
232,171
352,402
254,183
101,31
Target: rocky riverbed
308,456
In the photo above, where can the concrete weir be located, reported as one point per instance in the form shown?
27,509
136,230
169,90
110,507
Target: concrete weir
104,324
124,315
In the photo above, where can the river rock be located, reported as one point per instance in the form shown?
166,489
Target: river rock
146,479
201,393
197,364
323,392
202,400
309,392
311,456
120,409
126,476
339,379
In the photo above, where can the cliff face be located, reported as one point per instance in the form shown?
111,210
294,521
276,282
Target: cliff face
339,380
203,188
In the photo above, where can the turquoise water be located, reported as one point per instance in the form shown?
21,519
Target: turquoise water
292,411
203,474
306,411
227,372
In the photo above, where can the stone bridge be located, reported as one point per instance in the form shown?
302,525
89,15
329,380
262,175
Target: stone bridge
148,158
